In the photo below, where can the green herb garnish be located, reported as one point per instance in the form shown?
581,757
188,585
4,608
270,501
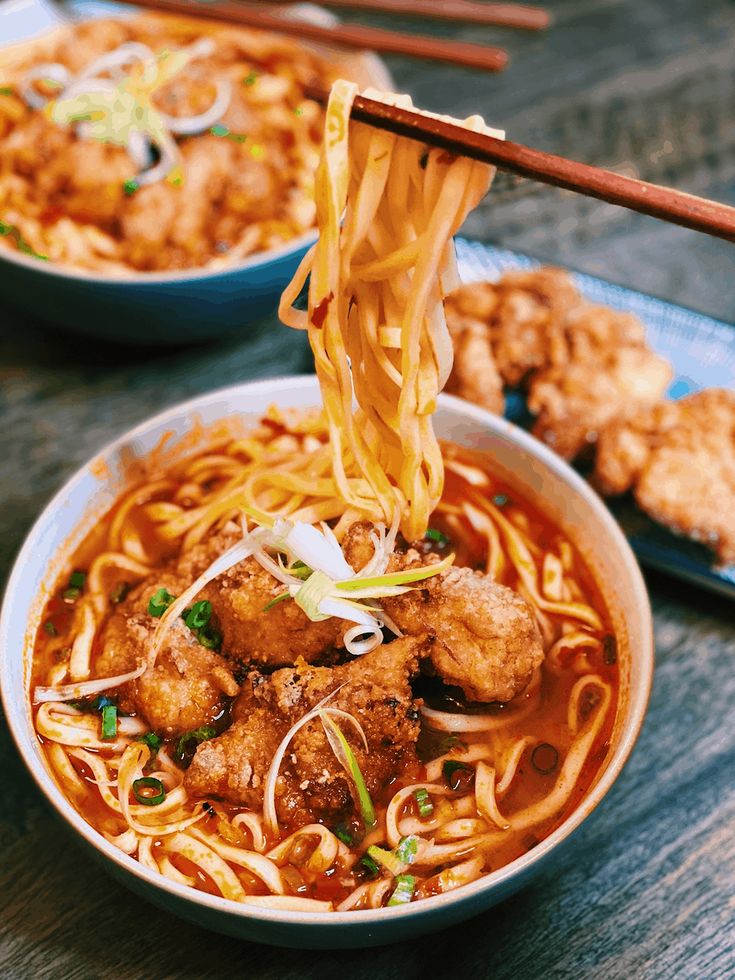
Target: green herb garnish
187,744
149,791
50,628
153,741
343,834
130,186
423,801
109,723
453,773
251,78
71,594
6,89
77,579
274,602
405,886
199,614
433,535
209,637
407,849
370,866
500,500
159,602
10,231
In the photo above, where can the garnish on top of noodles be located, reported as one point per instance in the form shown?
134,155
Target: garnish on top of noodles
111,100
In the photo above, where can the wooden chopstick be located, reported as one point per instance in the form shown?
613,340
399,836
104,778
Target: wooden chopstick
343,35
461,11
677,207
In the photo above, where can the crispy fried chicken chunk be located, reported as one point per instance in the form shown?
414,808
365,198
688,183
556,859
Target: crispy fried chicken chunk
312,785
582,365
475,375
679,460
521,312
487,639
186,687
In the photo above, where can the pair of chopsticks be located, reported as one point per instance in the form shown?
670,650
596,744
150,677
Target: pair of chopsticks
665,203
462,53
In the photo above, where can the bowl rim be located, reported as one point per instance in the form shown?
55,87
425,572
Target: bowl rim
275,389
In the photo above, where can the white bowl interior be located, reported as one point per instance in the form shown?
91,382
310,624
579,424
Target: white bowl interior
179,431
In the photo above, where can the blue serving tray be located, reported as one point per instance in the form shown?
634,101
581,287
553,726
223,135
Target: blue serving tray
702,352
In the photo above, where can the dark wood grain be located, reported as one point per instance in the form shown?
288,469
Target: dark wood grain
645,87
464,53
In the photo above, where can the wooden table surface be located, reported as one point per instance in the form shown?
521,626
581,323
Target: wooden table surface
646,87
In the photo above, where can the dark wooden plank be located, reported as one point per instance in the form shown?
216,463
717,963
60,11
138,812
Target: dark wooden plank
637,85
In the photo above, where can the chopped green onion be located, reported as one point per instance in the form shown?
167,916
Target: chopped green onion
119,592
77,579
71,594
300,570
149,791
370,866
10,231
130,186
426,807
159,603
298,111
251,78
346,757
276,600
153,741
50,628
386,859
452,771
6,90
188,743
109,723
219,130
403,893
433,535
209,637
343,834
199,615
500,500
407,849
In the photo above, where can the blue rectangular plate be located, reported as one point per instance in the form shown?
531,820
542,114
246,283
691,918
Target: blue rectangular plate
702,351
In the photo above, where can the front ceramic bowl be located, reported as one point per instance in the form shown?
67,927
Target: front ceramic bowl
517,458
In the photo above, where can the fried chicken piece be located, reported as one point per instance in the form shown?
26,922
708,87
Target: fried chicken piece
522,312
487,639
312,785
475,375
574,401
679,459
582,365
188,684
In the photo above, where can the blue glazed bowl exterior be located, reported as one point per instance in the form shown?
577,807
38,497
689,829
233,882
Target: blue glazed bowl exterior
149,309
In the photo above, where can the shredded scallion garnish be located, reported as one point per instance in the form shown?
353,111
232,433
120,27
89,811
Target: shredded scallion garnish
346,757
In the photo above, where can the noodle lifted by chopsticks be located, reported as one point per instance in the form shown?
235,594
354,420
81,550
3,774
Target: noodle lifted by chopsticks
375,318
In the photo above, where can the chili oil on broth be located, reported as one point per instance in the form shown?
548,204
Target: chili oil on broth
193,496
